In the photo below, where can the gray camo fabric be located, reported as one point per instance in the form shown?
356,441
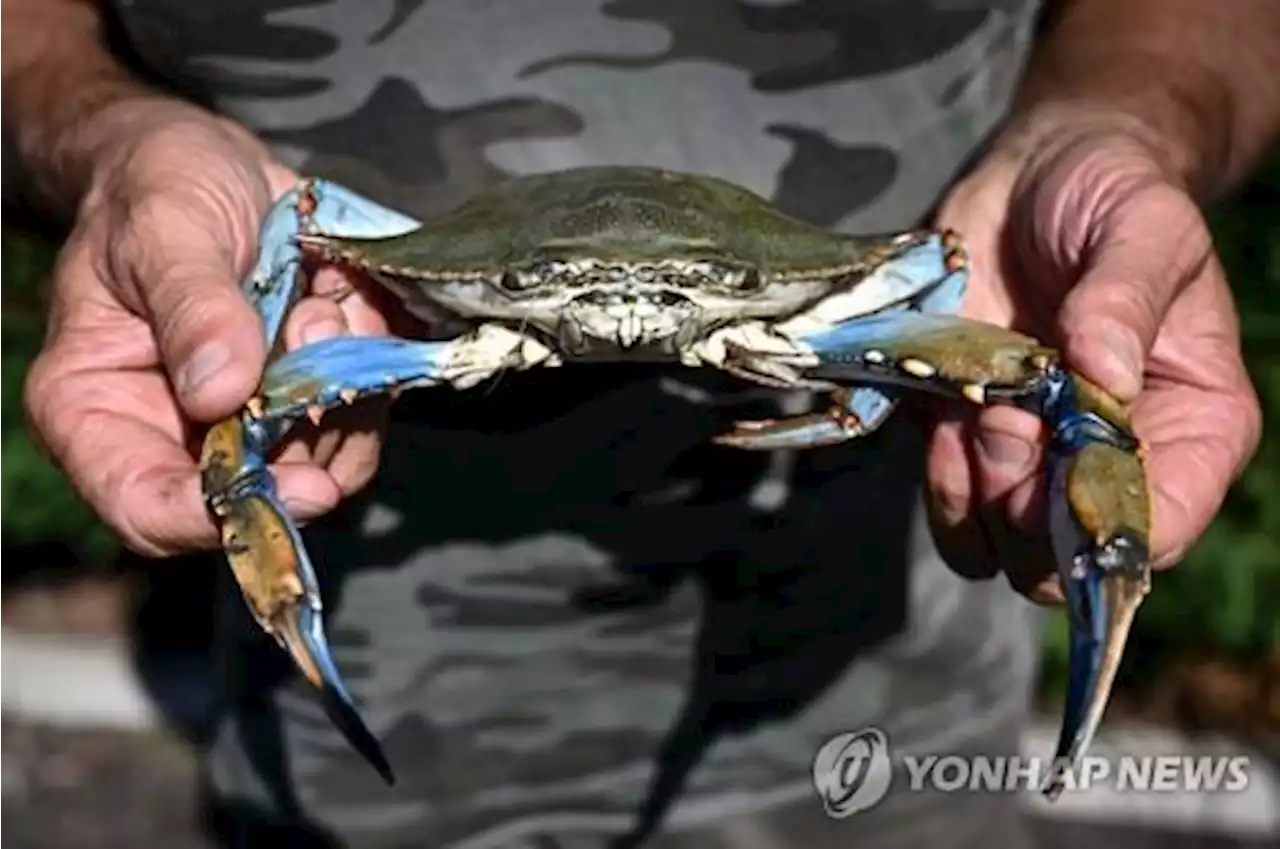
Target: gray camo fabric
571,620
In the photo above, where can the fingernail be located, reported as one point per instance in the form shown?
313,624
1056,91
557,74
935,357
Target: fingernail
1004,449
324,328
207,361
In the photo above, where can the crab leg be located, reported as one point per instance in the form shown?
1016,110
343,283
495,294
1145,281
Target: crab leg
1099,505
928,277
261,541
855,412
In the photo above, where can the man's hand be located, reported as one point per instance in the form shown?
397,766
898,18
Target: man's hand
149,332
1086,239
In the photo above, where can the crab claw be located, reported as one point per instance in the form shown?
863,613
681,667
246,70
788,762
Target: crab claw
262,544
270,563
300,630
1098,522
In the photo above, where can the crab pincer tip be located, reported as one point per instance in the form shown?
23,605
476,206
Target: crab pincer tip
304,637
342,713
1101,603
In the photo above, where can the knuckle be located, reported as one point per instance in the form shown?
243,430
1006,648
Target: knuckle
133,253
38,383
187,305
218,210
42,397
1249,415
172,237
181,290
151,238
153,213
81,267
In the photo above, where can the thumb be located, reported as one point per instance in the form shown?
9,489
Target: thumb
210,337
1145,250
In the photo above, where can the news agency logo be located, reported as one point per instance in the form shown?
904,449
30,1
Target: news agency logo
853,772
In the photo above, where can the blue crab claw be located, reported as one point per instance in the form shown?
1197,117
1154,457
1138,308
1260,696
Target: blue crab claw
262,543
1099,500
260,540
1099,512
270,563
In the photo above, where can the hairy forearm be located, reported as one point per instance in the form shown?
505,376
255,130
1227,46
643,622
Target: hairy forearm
1198,77
69,105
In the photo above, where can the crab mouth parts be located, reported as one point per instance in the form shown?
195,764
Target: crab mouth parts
628,319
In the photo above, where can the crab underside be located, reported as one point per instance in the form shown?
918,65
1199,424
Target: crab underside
638,264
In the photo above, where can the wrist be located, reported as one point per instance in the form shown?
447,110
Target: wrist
1169,73
70,146
72,163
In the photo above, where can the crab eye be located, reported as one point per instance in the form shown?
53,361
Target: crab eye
514,281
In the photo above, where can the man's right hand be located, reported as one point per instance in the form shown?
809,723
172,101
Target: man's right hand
149,334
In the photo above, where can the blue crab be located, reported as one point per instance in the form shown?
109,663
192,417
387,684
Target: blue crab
611,264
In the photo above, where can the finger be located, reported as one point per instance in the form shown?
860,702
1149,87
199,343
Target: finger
355,462
347,441
952,502
312,320
166,514
120,442
1198,440
1008,450
1200,416
986,500
346,444
209,336
363,311
1009,475
106,416
307,491
1150,247
1016,523
1199,358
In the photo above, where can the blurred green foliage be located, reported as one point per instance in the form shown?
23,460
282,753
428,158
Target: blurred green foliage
39,506
1222,599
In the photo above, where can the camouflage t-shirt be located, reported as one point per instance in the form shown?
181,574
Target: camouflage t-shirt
561,609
